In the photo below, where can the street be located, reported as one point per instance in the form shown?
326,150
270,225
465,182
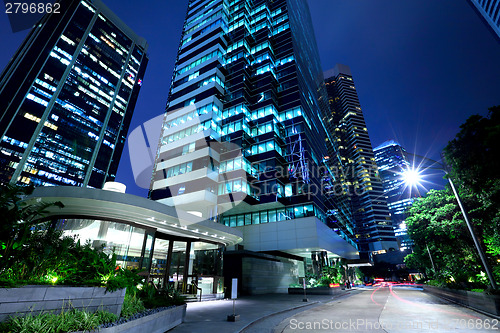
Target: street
389,309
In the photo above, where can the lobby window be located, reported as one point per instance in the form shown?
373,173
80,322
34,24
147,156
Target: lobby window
272,216
240,221
263,217
248,219
299,211
256,218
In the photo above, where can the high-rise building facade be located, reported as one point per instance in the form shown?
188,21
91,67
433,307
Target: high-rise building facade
392,162
242,140
67,97
490,10
346,124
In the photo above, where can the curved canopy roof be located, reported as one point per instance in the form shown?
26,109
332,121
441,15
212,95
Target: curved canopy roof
121,207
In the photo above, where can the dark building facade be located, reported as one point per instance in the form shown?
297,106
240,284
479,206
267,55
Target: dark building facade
67,97
356,164
243,139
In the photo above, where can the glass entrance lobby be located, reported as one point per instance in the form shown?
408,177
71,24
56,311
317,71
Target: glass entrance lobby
170,247
183,263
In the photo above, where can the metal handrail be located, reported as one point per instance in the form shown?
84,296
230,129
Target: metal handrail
197,288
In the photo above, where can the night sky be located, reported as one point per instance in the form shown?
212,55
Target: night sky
421,67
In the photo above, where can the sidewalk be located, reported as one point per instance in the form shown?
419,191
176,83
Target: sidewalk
211,316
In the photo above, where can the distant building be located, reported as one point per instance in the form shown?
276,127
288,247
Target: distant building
392,161
67,97
490,11
346,123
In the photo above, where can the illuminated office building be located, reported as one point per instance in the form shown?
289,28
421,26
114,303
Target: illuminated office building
243,142
490,11
346,124
67,97
392,161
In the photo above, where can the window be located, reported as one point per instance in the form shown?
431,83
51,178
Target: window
263,217
256,218
232,221
272,216
248,219
240,221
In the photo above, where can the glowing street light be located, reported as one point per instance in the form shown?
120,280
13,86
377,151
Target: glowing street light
412,178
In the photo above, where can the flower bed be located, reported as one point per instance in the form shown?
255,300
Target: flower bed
150,321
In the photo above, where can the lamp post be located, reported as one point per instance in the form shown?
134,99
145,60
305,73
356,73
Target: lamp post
412,177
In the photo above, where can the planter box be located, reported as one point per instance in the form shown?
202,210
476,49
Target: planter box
156,323
479,301
315,291
35,299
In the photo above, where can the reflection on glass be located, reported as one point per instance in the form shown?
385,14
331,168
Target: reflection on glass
124,240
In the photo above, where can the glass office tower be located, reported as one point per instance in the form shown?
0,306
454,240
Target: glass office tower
67,97
239,83
490,11
374,230
243,142
392,161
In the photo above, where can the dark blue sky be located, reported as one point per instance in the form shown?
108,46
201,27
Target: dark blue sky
421,67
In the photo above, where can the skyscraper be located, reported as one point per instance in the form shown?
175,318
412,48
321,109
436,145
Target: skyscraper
346,124
242,141
67,97
392,161
490,11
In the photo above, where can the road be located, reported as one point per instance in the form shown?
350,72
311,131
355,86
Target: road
392,310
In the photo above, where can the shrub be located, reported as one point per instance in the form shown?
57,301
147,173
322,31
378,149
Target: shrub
66,321
154,297
47,257
131,305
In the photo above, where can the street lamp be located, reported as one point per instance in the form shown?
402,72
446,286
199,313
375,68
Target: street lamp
412,177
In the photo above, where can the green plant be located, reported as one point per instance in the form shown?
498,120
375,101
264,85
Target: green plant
124,278
18,218
334,274
66,321
324,281
158,297
131,305
47,257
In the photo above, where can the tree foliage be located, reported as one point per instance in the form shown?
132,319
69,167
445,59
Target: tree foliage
474,157
436,225
435,222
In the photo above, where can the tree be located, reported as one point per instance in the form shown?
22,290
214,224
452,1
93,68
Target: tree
474,155
435,222
474,158
436,225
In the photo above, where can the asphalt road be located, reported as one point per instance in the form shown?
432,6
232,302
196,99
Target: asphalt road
391,310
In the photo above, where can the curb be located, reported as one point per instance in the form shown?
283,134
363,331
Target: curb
464,305
273,314
281,326
285,310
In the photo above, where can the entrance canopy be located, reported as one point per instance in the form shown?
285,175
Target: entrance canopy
130,209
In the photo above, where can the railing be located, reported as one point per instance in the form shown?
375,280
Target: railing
197,288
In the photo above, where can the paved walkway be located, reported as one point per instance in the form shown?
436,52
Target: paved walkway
389,310
254,311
